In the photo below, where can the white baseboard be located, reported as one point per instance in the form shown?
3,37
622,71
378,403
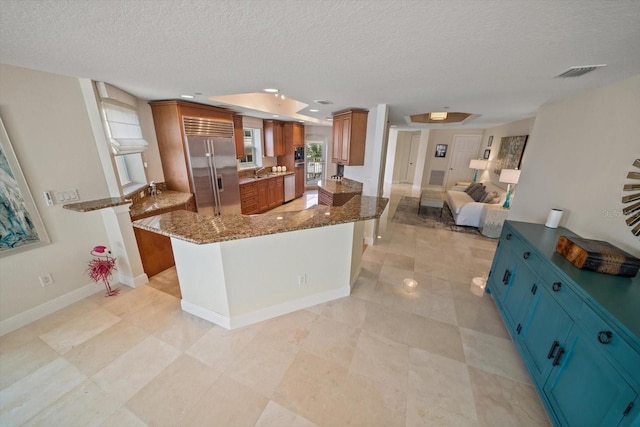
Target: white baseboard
31,315
234,322
134,282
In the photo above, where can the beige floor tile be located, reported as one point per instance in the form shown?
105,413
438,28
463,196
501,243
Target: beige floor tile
262,364
135,300
183,330
480,316
381,360
434,306
394,275
18,361
392,324
123,418
85,405
311,386
169,397
127,374
275,415
167,282
439,391
435,336
33,393
79,329
219,347
501,401
96,353
351,311
54,320
493,354
399,261
331,340
226,403
157,315
291,328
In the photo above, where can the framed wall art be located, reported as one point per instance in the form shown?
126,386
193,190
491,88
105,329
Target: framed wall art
510,153
20,225
486,154
490,143
441,150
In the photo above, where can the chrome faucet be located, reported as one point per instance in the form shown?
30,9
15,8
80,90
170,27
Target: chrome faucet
255,173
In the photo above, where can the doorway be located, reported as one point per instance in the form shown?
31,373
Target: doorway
410,164
465,148
314,162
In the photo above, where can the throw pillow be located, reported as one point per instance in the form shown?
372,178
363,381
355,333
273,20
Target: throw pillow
472,187
478,194
490,196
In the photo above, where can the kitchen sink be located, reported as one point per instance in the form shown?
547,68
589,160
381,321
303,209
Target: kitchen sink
267,175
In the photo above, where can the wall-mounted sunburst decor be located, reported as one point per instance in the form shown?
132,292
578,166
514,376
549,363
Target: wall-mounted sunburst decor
633,210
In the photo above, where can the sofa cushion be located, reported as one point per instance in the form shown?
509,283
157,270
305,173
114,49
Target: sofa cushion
492,197
478,194
457,199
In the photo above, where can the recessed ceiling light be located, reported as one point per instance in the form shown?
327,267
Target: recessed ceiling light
314,110
323,101
271,90
187,96
275,115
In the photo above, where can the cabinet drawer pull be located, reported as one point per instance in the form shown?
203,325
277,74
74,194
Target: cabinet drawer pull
508,236
556,361
534,289
505,278
605,337
553,348
526,255
519,329
556,286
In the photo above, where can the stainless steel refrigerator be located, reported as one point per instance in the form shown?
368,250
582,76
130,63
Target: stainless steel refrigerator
212,160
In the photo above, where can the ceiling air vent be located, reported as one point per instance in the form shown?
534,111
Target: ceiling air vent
580,71
323,102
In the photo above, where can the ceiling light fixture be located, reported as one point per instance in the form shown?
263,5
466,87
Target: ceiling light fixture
438,115
271,90
314,110
187,96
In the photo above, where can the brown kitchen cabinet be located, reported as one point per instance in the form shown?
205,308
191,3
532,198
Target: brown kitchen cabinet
238,135
155,249
349,137
273,138
276,191
167,119
294,132
263,195
299,171
249,198
330,199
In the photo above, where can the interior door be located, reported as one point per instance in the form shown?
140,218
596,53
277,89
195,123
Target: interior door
465,148
410,171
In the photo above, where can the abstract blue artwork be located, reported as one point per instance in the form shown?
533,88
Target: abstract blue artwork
20,224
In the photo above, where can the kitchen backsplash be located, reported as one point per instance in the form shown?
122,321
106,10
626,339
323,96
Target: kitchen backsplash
135,196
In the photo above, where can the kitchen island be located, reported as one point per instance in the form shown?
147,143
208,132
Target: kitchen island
236,270
337,192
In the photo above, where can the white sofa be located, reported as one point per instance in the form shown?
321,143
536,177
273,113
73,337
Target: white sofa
465,210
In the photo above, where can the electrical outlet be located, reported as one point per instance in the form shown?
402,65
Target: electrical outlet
302,279
46,280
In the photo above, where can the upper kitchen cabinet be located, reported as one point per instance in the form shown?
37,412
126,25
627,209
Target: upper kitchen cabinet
168,122
349,137
294,132
273,138
238,136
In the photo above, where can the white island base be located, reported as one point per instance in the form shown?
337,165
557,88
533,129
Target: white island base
240,282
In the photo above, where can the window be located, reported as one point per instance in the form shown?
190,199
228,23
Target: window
252,149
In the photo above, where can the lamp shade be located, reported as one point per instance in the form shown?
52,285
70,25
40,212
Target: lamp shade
509,176
478,164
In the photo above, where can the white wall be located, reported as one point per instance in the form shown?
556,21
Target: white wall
579,154
47,123
151,156
520,127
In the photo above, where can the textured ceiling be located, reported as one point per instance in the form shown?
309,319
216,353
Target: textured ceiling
494,59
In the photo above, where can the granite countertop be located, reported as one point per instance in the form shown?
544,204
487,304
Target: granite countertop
164,200
345,186
203,229
267,175
94,205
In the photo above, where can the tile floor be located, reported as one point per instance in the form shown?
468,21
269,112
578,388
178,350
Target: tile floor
381,357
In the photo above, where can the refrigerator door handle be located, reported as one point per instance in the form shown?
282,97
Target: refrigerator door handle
214,178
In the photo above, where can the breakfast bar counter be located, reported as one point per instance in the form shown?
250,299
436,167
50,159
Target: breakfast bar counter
236,270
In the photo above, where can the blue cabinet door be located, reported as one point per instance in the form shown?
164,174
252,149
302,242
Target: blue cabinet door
519,298
587,390
545,335
502,271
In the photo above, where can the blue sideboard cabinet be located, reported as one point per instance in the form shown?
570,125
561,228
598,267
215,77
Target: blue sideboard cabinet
578,331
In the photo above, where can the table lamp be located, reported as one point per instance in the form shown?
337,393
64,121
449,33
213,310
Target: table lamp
509,176
477,164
